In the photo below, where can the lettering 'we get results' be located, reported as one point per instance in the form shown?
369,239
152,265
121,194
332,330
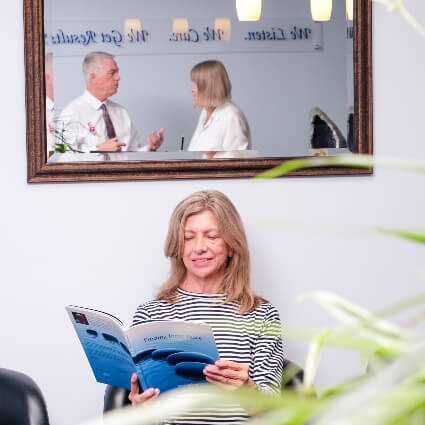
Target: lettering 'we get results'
88,37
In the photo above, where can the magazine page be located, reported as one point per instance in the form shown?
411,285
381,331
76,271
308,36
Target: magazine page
169,354
105,345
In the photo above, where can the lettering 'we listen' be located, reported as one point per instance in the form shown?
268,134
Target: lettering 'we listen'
277,34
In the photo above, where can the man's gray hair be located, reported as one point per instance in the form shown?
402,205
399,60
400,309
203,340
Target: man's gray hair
92,62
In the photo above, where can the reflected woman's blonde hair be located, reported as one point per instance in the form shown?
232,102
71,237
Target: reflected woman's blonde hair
236,282
213,83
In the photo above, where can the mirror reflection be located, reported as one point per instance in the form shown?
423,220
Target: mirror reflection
198,79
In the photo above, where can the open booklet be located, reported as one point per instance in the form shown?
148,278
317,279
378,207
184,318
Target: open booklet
165,354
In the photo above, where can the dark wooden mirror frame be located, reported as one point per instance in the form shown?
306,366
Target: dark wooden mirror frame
40,171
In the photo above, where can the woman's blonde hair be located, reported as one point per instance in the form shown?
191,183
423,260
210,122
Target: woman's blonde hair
213,83
236,282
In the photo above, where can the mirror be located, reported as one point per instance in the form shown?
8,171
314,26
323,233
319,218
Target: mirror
292,78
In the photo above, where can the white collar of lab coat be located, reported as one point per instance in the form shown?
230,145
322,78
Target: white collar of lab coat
216,113
92,100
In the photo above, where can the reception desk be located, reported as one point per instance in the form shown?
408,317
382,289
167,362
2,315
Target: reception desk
177,156
150,156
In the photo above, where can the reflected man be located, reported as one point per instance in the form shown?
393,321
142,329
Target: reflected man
92,122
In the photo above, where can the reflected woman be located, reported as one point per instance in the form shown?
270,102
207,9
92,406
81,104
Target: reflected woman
222,126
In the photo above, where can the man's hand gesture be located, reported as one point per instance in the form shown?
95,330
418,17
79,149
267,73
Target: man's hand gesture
111,145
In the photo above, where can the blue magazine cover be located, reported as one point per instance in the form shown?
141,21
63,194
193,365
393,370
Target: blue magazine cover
165,354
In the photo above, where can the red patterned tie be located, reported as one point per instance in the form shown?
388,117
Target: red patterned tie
110,130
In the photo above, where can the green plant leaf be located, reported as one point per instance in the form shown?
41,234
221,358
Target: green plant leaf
313,357
189,398
381,397
352,314
392,5
60,147
417,235
402,306
397,5
364,343
362,161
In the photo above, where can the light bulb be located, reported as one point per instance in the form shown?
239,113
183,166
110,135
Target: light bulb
180,25
321,10
248,10
224,26
132,24
350,9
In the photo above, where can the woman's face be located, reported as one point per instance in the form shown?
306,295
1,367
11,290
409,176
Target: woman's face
205,251
195,93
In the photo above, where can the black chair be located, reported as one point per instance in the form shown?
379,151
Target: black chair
292,376
21,401
116,397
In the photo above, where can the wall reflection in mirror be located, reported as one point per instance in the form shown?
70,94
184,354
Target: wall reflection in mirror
198,79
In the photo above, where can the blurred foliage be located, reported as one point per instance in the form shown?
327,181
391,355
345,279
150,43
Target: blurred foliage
390,392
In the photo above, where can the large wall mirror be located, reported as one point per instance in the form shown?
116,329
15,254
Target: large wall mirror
300,73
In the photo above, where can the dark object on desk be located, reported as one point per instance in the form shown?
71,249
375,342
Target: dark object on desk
21,401
324,132
116,397
103,152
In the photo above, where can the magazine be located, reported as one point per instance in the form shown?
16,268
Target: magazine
165,354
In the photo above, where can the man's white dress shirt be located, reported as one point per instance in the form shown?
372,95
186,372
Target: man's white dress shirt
84,126
226,130
50,124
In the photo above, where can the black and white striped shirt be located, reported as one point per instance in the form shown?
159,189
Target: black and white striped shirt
253,338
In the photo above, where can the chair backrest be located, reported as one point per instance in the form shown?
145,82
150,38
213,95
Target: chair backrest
292,376
114,398
21,401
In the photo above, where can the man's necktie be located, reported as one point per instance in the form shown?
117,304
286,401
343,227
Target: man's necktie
110,130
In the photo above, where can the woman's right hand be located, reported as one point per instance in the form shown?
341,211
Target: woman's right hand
135,397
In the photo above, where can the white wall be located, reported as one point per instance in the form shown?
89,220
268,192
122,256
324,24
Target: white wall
100,244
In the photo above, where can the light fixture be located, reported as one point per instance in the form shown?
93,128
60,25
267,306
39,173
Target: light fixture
224,26
248,10
180,25
132,24
350,9
321,10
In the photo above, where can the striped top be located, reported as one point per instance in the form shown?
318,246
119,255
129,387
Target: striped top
253,338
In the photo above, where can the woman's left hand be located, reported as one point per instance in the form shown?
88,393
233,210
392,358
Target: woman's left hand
228,374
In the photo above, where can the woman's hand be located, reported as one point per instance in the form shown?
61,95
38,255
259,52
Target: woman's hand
228,374
137,398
